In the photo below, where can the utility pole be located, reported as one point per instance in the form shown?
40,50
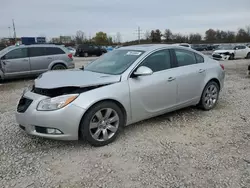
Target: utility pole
139,32
14,29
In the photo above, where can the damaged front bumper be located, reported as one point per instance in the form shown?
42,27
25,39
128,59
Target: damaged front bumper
61,124
222,57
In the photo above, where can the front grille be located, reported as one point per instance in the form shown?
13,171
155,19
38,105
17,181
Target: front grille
217,56
23,104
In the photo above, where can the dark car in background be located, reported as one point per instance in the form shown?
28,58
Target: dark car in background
199,47
85,50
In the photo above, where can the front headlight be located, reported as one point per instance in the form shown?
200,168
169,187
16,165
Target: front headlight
56,102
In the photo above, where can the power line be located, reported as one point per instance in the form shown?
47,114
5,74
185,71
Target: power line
138,33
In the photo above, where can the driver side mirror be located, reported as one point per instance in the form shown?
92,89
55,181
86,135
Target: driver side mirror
143,71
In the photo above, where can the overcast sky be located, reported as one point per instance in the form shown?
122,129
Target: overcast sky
64,17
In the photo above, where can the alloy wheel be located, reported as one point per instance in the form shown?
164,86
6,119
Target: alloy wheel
104,124
211,96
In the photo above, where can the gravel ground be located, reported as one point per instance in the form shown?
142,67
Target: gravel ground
187,148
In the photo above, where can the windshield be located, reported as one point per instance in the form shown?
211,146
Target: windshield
225,47
115,62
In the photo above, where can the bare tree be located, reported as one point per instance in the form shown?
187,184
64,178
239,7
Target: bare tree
118,37
147,35
80,37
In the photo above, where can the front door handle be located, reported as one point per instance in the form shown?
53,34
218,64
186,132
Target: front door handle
49,58
25,60
201,70
171,79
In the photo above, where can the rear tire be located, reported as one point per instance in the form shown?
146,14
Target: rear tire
85,54
96,123
209,96
59,67
248,55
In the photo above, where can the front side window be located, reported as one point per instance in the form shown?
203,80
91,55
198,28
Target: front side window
115,62
184,57
17,53
158,61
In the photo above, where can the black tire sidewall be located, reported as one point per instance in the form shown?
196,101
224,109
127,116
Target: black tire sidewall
248,55
84,126
54,67
231,57
202,102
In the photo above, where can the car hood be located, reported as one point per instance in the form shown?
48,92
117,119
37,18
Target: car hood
73,78
223,51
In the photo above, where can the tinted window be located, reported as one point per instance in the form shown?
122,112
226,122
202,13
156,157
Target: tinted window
54,51
185,57
199,58
184,45
17,53
37,51
115,62
242,47
158,61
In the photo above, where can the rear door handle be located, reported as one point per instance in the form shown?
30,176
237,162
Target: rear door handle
171,79
49,58
201,70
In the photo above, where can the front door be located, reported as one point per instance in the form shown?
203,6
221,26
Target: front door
191,75
153,94
16,63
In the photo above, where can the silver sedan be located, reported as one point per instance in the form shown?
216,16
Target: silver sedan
122,87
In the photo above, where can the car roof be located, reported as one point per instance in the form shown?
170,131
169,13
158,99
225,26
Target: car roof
146,47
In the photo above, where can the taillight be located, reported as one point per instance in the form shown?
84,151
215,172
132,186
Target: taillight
70,56
222,66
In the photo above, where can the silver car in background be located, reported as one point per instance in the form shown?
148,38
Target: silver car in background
122,87
28,60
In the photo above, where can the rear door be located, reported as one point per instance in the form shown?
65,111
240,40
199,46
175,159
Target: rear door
55,54
39,62
16,63
191,75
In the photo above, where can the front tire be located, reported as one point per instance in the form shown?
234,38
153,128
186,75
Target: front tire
102,123
231,57
209,96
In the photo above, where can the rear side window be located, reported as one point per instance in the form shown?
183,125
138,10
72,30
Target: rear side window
184,57
199,58
17,53
37,51
54,51
184,45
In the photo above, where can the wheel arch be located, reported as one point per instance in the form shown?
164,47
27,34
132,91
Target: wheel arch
51,65
104,100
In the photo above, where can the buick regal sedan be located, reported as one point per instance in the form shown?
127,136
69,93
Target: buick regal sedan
122,87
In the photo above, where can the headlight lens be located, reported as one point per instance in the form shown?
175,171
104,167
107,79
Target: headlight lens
56,102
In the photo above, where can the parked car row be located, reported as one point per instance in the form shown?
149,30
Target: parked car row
198,47
28,60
